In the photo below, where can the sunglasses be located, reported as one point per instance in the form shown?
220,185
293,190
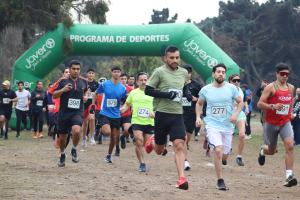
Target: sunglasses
236,80
284,74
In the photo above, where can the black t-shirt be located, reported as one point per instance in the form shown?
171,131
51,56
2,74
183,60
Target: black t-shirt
38,102
71,102
93,87
4,95
189,107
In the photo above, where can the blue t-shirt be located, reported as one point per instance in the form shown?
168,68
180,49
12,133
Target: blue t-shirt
219,105
112,94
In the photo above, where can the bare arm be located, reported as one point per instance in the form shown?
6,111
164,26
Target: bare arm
94,97
125,107
85,96
198,109
58,93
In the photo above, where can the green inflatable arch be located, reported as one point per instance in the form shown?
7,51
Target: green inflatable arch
105,40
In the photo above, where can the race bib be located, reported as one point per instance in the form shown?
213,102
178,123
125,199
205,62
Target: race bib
178,96
219,111
144,112
21,102
39,103
284,111
74,103
111,103
91,95
5,101
185,102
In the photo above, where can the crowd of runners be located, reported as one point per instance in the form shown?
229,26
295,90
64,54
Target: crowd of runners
168,104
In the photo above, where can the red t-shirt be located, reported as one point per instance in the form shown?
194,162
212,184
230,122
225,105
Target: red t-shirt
99,101
128,112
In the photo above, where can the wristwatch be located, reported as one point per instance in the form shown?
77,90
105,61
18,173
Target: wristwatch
272,106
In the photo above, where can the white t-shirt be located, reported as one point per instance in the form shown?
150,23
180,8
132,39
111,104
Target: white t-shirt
22,100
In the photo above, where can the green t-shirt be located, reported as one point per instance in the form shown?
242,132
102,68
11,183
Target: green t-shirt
165,80
142,106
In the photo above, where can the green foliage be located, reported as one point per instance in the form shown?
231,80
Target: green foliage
67,23
161,17
67,47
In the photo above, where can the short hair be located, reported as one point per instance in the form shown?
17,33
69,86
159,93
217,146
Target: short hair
123,74
74,62
218,65
131,76
50,84
141,73
21,82
281,66
116,68
65,69
171,49
90,69
188,67
231,76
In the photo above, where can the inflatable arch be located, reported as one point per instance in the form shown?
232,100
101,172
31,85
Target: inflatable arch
106,40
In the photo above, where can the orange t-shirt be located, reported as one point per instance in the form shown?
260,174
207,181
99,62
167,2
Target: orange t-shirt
99,101
57,101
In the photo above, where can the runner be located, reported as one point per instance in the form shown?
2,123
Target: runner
189,114
39,104
7,96
240,124
73,93
166,85
93,85
276,99
22,107
142,116
113,92
219,119
98,134
131,84
125,119
30,112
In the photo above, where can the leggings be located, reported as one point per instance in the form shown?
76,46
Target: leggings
38,118
21,115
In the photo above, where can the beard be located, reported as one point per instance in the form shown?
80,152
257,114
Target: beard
219,81
170,65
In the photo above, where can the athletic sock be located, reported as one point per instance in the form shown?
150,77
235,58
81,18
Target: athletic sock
62,151
109,154
239,156
262,152
185,159
83,138
74,146
288,173
91,136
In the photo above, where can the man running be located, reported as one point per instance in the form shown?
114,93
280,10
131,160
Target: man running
93,85
125,119
276,99
113,92
73,91
22,107
132,85
166,85
189,114
142,116
7,96
219,120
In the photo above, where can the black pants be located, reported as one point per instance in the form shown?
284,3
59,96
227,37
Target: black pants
21,115
30,118
248,128
38,118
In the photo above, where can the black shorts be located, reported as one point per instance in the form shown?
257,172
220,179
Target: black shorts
125,120
65,124
113,122
97,113
166,123
148,129
190,123
6,114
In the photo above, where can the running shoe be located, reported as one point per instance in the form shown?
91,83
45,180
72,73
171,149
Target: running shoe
108,159
196,138
32,129
187,146
117,152
92,141
186,165
221,184
142,167
182,184
84,143
205,144
18,135
24,129
5,136
56,142
87,138
62,159
290,181
96,135
148,145
35,135
239,161
127,139
1,135
123,142
41,135
170,143
208,153
224,162
100,139
165,152
261,158
75,158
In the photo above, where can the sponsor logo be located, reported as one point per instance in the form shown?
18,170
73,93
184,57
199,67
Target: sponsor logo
283,98
40,54
26,84
289,94
199,54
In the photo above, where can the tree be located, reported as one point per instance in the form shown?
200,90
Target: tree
161,17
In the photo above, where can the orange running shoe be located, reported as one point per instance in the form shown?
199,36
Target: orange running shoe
35,135
41,135
148,145
56,144
182,184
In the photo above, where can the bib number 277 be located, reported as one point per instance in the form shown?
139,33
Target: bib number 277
219,111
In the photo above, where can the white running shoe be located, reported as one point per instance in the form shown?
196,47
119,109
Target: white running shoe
186,165
198,133
84,144
170,143
92,139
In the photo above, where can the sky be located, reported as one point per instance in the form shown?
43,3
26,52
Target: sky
137,12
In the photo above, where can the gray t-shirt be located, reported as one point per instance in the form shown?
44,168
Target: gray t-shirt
165,80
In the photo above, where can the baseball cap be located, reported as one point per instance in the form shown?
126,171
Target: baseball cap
6,82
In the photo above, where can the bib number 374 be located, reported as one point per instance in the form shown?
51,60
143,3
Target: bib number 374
74,103
219,111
